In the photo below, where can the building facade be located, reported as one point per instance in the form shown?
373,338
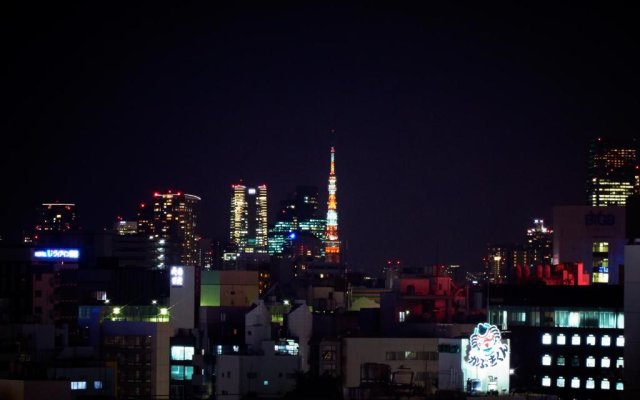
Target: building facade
613,172
594,236
175,220
248,220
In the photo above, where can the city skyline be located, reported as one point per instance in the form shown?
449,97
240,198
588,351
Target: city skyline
455,126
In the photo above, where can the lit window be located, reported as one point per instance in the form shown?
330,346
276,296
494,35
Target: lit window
97,384
620,341
591,340
546,381
575,382
620,362
561,339
591,362
606,341
560,361
265,383
546,359
605,362
591,384
546,338
78,385
619,385
605,385
620,321
401,316
177,372
560,381
177,353
575,340
188,373
574,319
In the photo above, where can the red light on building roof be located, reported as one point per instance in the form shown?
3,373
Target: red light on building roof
156,194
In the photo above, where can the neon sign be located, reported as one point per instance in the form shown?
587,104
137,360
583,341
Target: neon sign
56,254
177,276
486,347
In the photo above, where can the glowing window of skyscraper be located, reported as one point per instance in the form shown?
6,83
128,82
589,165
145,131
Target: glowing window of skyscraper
574,319
561,339
605,362
546,359
560,382
546,381
575,382
591,362
575,340
560,361
619,385
606,341
620,321
620,362
591,340
605,384
590,384
620,341
546,338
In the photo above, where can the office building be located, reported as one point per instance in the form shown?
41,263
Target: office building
566,340
496,262
614,172
539,244
594,236
248,222
299,217
174,227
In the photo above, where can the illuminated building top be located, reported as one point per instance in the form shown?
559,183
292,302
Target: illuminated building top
332,241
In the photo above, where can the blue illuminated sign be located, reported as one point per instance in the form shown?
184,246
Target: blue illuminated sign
57,254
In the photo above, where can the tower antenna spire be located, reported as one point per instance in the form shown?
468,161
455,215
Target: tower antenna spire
332,243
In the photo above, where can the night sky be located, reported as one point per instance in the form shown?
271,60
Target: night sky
455,125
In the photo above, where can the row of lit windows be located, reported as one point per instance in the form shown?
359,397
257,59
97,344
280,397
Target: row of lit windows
576,340
559,318
605,362
82,385
575,383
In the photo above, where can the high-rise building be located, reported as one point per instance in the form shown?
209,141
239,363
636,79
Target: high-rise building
539,244
332,241
495,262
248,222
57,217
299,214
174,227
614,172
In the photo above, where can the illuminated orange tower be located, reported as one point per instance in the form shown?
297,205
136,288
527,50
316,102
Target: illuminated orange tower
332,243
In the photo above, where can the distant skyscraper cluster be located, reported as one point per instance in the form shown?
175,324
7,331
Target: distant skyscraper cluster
614,172
57,217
